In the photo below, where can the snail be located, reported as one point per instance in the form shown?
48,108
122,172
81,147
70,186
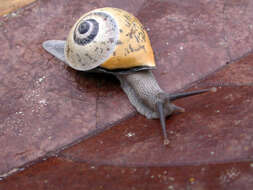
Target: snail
111,40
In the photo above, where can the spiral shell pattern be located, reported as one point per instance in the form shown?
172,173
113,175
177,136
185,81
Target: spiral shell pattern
91,41
86,31
110,38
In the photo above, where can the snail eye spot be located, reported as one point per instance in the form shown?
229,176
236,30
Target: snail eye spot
83,27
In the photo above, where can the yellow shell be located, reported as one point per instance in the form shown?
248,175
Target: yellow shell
110,38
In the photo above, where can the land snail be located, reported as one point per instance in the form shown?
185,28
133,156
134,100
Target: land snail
110,40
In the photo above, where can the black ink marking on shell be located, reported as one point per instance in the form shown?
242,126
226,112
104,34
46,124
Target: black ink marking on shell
79,58
140,47
119,42
137,39
111,40
120,30
126,52
133,30
96,49
83,28
87,55
131,49
127,20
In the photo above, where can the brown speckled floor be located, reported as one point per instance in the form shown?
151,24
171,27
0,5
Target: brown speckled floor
58,173
45,106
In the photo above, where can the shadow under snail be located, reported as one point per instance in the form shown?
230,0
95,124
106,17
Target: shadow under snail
113,41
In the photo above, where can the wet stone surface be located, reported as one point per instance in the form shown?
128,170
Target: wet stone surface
45,106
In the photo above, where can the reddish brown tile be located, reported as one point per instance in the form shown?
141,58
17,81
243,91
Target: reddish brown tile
45,106
57,173
238,27
215,128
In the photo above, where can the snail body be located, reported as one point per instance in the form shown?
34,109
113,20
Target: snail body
113,41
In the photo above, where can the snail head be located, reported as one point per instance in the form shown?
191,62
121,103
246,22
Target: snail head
166,107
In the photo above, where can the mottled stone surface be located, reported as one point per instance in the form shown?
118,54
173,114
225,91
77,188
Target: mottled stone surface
238,27
58,173
211,147
45,106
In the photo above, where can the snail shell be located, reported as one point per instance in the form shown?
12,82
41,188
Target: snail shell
109,38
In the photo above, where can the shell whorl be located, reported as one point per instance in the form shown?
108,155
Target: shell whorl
86,31
91,41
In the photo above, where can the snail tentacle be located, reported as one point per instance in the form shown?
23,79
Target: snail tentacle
162,120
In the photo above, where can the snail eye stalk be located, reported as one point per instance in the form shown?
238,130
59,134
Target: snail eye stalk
186,94
174,108
162,120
